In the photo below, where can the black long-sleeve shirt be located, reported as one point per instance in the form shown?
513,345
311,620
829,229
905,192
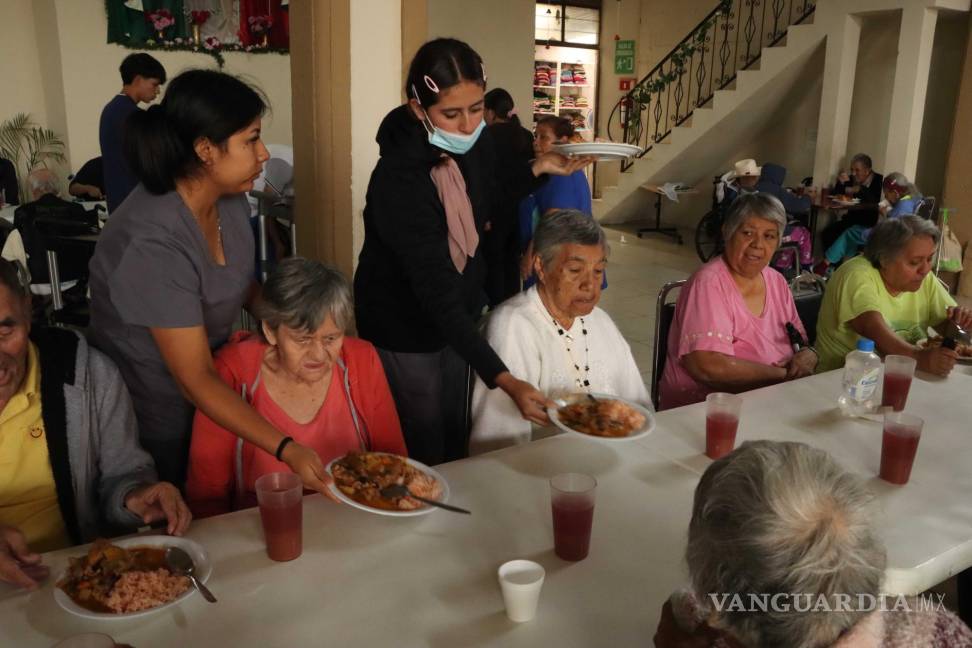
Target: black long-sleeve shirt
869,195
409,297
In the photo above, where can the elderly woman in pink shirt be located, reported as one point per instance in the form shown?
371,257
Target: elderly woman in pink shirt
729,332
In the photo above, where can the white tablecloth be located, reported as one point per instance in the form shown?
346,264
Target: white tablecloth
926,524
369,580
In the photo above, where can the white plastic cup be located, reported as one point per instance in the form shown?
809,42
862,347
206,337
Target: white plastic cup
520,581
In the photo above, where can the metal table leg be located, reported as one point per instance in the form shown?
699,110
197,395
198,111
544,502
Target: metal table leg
658,229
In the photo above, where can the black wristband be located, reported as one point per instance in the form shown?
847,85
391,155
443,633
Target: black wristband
280,448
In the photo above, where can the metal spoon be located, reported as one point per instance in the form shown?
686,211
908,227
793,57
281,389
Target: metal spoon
180,562
401,490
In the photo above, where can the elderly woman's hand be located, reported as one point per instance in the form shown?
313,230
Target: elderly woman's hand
801,365
961,316
936,360
308,466
160,501
556,164
531,402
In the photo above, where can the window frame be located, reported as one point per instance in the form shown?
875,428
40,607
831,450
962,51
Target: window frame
562,42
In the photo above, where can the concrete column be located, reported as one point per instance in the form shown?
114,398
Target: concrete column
345,74
840,66
910,87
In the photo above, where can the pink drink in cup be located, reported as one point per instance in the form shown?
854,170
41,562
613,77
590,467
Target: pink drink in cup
572,505
281,499
899,446
898,372
721,423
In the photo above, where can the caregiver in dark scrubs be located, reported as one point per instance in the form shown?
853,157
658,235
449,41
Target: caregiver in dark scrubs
174,266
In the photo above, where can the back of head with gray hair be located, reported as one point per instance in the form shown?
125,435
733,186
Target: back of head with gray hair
889,237
901,180
42,182
783,517
300,293
761,205
564,227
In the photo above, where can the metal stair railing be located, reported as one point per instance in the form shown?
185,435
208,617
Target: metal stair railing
706,60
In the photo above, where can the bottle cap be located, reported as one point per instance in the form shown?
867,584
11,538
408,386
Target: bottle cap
863,344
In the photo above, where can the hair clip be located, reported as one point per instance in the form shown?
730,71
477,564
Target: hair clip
430,84
483,66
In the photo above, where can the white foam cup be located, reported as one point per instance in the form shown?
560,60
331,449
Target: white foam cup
520,581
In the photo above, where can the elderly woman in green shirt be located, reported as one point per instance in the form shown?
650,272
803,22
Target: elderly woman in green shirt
889,295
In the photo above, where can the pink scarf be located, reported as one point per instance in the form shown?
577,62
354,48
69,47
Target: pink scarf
463,237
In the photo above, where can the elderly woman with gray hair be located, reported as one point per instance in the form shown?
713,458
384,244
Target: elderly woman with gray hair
306,376
891,296
729,332
782,552
553,335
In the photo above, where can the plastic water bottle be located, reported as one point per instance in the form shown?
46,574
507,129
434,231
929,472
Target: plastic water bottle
862,373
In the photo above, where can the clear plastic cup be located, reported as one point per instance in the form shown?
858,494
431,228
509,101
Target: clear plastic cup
520,582
281,499
899,446
572,506
721,423
898,373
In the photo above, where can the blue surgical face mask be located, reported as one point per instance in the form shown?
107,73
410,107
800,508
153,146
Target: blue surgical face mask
452,142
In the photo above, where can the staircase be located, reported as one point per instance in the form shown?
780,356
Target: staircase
707,96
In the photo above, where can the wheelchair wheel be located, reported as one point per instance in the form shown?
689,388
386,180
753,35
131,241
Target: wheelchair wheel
708,236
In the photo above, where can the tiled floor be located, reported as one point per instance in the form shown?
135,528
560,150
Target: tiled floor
637,270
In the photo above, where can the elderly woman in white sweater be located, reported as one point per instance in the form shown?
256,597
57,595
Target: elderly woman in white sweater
554,335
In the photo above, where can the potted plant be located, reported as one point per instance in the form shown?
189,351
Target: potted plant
29,146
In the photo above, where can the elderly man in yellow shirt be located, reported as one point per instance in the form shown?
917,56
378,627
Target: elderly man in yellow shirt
71,468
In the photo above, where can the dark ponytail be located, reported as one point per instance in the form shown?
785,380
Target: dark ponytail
159,142
440,64
501,102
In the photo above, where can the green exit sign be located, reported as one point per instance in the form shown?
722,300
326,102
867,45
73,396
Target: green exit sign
624,57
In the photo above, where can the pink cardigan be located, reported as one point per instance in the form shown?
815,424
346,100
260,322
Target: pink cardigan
211,486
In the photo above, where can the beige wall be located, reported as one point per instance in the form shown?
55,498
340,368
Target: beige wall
75,74
20,70
873,84
501,31
944,79
958,189
375,90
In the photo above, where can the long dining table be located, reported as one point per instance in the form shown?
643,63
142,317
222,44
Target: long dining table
373,580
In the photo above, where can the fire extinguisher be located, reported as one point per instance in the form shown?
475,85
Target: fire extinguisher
626,105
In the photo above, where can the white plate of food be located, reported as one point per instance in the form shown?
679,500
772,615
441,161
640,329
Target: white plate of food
603,151
604,418
845,201
359,476
127,578
964,350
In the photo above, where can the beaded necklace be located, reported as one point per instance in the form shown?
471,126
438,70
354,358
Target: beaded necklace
582,383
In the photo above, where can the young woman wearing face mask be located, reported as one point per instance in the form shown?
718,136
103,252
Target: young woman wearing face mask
419,282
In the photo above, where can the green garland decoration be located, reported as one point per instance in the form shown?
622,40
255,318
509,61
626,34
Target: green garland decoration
215,52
